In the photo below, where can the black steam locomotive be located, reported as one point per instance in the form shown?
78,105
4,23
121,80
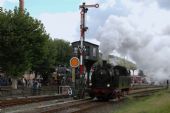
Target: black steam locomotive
108,82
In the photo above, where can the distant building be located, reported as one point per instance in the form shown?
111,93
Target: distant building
136,79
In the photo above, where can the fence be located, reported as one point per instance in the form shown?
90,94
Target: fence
65,90
7,91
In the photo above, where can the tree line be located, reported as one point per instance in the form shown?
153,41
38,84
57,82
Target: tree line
26,46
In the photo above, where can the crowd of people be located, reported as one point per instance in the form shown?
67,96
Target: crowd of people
31,83
4,81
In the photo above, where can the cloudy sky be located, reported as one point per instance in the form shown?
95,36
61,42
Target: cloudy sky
138,29
60,17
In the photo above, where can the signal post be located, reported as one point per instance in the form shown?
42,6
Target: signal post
78,74
83,29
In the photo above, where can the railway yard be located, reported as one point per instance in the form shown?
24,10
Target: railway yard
48,66
66,104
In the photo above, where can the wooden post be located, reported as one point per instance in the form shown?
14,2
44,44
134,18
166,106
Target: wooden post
73,82
73,75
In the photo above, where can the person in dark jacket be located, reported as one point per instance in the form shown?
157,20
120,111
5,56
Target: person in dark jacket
167,82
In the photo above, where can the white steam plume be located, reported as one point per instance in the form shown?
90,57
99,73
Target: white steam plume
142,33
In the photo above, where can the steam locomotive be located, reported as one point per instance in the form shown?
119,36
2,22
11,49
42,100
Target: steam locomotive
108,81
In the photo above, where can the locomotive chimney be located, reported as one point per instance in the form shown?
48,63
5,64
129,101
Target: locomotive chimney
21,6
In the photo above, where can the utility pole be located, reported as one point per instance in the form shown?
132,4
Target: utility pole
83,29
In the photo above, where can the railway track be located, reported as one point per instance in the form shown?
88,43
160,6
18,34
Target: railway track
59,107
27,100
136,87
80,106
96,104
134,94
145,90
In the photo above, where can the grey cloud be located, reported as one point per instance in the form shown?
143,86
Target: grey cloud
164,4
167,31
101,15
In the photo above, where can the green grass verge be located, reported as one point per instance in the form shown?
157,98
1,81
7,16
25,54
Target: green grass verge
157,103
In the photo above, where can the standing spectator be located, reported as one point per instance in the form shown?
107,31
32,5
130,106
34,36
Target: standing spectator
38,87
34,87
167,82
23,81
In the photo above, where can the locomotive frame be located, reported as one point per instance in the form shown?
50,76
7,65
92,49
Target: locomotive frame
109,82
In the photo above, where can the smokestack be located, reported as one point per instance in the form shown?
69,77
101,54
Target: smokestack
21,6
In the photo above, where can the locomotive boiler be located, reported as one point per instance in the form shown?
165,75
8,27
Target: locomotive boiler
108,81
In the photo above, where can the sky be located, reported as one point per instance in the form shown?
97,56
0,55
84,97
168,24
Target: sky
60,17
137,29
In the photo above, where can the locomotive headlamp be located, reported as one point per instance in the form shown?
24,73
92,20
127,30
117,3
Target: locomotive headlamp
90,84
108,85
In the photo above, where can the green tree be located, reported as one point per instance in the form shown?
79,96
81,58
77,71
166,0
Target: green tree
58,52
62,51
47,66
22,43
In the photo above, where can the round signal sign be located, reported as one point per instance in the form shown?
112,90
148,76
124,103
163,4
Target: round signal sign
74,62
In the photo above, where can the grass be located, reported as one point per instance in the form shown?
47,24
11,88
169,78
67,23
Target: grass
157,103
